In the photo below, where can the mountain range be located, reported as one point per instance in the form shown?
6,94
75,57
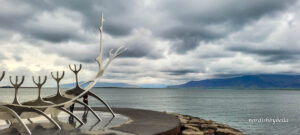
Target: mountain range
261,81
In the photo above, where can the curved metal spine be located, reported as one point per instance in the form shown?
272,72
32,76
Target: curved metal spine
101,100
65,110
13,113
45,115
2,76
96,115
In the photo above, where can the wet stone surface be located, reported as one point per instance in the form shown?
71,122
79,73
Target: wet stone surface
69,125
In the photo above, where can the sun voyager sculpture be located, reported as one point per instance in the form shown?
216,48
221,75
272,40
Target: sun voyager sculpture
62,100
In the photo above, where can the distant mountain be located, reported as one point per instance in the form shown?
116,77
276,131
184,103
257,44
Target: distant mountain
102,84
262,81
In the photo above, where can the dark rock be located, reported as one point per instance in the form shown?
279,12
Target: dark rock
188,126
209,132
196,126
191,132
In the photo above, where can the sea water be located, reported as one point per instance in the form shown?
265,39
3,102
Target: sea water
254,112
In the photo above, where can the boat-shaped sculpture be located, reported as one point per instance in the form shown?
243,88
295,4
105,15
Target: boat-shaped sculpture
62,100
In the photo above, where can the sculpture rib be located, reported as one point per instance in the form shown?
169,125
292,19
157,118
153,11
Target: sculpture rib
85,105
46,116
65,110
107,106
13,113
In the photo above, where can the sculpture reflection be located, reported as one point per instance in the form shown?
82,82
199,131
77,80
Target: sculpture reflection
72,121
84,117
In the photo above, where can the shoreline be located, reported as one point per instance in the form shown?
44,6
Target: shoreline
191,125
181,125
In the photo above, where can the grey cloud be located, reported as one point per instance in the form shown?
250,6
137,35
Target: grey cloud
14,13
227,75
180,71
80,53
138,47
2,56
231,11
187,37
137,51
117,29
216,55
229,14
18,58
23,22
270,55
51,36
18,21
182,25
115,12
142,50
195,21
127,62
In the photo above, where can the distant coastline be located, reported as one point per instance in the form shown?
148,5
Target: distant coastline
244,82
247,82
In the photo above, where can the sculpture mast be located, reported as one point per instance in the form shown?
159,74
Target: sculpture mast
99,58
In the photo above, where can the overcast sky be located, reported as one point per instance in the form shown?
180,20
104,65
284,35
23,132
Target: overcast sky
168,41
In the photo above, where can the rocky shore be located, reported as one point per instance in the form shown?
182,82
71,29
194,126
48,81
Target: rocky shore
196,126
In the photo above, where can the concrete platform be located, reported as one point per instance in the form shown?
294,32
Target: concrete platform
146,122
127,122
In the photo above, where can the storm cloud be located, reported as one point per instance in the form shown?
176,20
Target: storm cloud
168,41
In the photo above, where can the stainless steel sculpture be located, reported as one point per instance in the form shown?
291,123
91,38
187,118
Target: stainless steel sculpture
43,106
